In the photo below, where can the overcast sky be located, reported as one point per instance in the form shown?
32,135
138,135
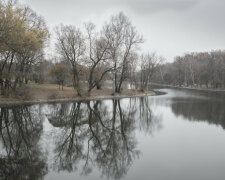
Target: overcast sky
169,27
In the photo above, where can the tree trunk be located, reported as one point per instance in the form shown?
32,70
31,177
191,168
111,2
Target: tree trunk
1,84
77,83
15,83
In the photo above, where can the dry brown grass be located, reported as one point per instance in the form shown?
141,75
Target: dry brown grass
50,91
39,92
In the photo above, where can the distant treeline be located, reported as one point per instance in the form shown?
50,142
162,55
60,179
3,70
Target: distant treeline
204,69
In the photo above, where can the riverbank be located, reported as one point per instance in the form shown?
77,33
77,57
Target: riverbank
189,88
45,93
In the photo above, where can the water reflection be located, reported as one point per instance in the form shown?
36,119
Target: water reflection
95,135
107,138
150,121
211,110
87,136
21,158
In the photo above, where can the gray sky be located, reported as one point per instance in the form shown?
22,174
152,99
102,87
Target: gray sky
170,27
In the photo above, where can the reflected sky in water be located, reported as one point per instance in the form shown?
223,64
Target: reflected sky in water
175,136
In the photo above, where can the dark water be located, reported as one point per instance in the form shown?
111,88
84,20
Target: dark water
177,136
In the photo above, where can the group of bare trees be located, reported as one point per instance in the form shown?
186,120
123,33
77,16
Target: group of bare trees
111,53
91,56
108,51
195,69
149,65
22,39
86,56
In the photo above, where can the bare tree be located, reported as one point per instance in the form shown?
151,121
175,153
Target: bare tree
71,46
123,42
98,56
149,65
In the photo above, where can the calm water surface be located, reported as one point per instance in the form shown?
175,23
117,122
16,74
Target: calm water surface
177,136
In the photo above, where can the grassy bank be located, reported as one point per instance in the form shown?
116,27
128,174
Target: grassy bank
35,93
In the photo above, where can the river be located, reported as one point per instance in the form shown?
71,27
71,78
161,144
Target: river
176,136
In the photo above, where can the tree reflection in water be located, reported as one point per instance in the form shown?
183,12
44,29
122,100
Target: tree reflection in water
99,134
150,121
211,109
20,130
87,135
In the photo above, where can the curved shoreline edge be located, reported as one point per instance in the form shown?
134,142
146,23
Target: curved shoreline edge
78,99
189,88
